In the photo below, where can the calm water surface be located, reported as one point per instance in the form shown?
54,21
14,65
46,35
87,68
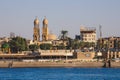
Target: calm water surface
59,74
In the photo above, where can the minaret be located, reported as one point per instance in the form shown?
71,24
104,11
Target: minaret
36,31
45,30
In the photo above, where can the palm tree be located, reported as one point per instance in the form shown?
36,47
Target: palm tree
64,38
64,34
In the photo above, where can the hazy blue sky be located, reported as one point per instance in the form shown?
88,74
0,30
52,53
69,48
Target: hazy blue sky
18,15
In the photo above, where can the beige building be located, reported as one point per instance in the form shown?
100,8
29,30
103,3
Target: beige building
88,34
113,54
109,42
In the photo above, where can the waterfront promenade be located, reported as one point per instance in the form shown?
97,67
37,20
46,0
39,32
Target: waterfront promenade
24,60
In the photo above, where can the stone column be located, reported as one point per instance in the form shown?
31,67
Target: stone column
118,54
115,54
9,51
108,55
111,54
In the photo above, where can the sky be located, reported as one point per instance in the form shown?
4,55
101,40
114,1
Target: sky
18,16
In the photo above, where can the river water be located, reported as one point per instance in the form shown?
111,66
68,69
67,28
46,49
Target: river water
59,73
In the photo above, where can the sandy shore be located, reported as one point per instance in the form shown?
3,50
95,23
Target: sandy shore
19,64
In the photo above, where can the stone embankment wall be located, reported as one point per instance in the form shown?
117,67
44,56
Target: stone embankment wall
85,56
20,64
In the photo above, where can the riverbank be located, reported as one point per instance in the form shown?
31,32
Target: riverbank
20,64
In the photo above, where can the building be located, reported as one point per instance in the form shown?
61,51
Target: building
111,43
77,37
2,41
36,31
88,34
46,37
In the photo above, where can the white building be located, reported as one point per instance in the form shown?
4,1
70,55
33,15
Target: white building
88,34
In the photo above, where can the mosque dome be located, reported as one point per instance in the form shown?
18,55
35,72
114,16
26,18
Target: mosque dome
52,37
36,21
45,21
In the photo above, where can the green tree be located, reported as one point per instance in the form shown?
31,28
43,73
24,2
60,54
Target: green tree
76,44
61,46
5,47
70,43
18,44
46,46
33,47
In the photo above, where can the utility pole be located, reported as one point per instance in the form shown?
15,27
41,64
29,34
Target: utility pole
100,30
100,43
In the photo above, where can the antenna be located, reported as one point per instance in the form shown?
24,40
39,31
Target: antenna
100,30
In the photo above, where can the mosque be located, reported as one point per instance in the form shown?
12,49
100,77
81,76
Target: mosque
46,36
49,38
